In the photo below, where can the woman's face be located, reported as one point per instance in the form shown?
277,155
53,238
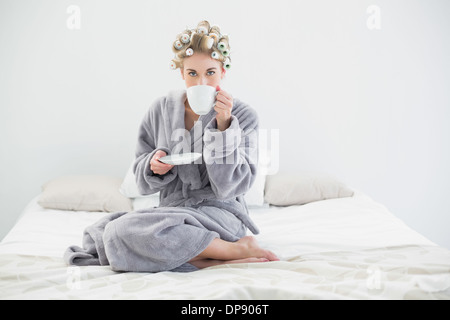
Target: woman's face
202,69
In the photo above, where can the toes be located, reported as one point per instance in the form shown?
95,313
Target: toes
273,257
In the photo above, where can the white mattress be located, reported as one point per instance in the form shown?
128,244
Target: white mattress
333,249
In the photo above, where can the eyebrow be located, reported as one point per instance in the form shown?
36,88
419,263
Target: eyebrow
213,68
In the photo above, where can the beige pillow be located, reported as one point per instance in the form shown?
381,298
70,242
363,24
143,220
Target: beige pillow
285,189
84,193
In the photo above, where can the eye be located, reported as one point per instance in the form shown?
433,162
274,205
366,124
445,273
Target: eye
210,73
192,73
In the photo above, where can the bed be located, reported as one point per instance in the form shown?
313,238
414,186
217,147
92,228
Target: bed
330,247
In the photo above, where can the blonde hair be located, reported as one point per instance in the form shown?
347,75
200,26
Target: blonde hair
203,39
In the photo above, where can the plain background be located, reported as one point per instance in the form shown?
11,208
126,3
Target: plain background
369,106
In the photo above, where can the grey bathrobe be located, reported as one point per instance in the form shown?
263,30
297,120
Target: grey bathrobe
198,202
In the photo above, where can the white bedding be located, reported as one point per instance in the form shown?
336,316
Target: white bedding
348,248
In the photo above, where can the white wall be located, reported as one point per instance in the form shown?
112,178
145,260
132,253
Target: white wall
369,106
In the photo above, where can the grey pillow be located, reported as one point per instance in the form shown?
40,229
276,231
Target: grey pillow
84,193
285,189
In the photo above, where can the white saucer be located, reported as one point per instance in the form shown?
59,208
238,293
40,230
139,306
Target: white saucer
184,158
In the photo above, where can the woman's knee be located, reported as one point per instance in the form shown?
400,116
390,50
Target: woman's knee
113,246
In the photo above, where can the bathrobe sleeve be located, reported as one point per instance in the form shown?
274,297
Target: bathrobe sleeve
231,156
152,136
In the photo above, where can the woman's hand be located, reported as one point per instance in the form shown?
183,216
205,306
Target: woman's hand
223,107
158,167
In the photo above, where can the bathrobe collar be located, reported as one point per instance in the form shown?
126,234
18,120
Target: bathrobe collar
189,174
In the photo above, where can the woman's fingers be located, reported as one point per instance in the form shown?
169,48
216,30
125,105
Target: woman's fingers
223,103
223,106
157,166
160,168
224,97
159,154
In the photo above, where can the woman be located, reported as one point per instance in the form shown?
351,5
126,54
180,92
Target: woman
202,218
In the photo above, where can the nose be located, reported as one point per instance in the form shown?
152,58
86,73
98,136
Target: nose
203,81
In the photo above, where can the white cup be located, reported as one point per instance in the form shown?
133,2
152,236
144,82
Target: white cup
201,98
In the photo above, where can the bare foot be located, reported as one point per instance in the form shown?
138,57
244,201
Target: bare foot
244,248
253,250
205,263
